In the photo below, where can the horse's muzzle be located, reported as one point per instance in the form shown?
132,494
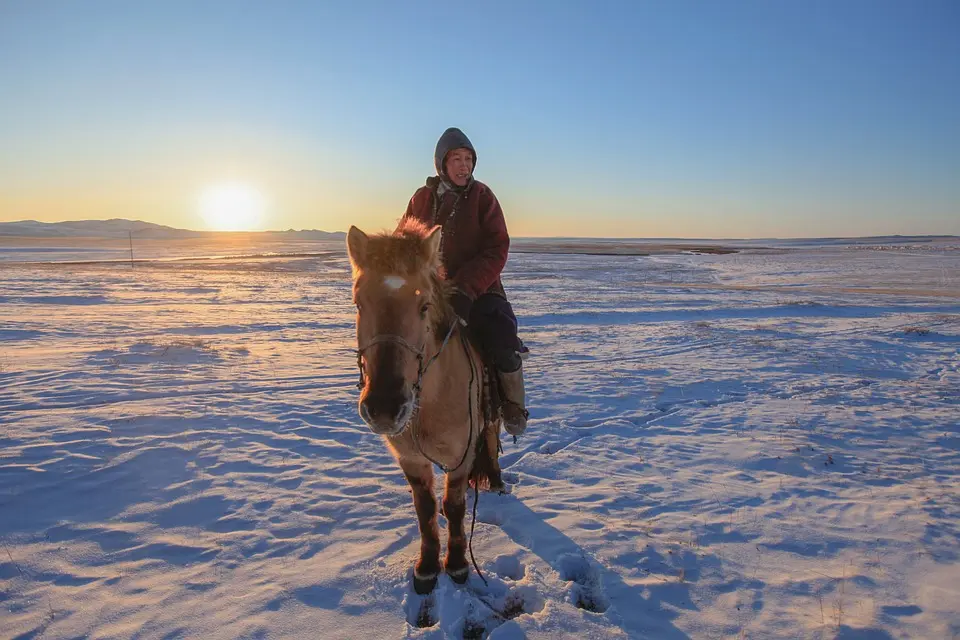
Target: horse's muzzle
387,414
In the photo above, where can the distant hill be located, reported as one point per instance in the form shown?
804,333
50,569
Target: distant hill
120,228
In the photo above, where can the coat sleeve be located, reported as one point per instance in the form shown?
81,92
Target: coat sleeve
479,273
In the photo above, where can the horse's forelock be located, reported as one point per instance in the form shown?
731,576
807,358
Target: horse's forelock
407,253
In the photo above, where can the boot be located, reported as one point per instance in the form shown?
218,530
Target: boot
512,407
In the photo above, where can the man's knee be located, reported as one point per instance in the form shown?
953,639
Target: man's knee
495,324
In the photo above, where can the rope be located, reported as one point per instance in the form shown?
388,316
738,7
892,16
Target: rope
416,425
443,344
473,523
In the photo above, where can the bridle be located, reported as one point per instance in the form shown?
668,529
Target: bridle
418,385
403,342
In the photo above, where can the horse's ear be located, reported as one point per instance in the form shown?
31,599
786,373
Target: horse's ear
432,243
357,247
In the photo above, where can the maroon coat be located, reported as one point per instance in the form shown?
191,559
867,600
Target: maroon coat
475,242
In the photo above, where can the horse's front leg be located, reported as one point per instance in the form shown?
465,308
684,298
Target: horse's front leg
454,508
425,572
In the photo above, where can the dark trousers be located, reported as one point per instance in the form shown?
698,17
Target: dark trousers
494,325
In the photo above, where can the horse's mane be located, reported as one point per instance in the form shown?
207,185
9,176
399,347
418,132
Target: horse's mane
406,253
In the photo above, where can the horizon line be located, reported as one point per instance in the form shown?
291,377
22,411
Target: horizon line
517,237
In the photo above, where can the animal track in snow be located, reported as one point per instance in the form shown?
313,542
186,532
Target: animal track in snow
421,610
517,602
587,589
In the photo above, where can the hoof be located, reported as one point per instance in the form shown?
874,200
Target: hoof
459,575
424,584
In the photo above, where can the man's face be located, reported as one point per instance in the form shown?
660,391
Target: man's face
458,166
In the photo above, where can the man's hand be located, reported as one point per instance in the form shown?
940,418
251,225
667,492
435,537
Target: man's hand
461,303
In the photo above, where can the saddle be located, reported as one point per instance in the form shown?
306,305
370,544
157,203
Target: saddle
490,399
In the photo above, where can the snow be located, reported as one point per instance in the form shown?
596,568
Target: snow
761,444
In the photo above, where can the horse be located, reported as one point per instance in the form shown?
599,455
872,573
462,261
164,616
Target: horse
422,385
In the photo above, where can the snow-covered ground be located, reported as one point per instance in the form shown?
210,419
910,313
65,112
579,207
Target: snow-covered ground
757,445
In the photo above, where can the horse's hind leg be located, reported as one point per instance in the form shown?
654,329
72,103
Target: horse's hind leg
427,569
454,508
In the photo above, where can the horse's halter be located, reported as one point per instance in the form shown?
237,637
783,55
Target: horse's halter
417,351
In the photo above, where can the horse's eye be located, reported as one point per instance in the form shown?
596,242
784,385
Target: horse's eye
423,309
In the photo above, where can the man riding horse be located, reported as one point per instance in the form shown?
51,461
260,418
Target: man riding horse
474,246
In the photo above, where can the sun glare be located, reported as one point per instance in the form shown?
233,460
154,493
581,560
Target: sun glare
232,207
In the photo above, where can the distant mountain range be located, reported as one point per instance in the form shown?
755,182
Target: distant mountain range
120,228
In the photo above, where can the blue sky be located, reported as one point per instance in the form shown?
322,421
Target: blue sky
639,119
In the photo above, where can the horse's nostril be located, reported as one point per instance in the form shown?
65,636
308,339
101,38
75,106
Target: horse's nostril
365,413
406,410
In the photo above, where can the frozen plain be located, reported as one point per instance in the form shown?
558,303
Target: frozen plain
757,445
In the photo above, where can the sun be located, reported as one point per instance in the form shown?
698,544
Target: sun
232,207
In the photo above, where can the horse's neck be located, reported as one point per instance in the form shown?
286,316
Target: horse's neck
449,375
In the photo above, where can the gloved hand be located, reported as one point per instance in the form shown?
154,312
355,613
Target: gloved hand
461,303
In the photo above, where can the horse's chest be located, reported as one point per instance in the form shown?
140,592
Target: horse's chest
444,442
443,434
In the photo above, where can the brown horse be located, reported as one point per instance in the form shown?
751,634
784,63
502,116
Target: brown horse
422,385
